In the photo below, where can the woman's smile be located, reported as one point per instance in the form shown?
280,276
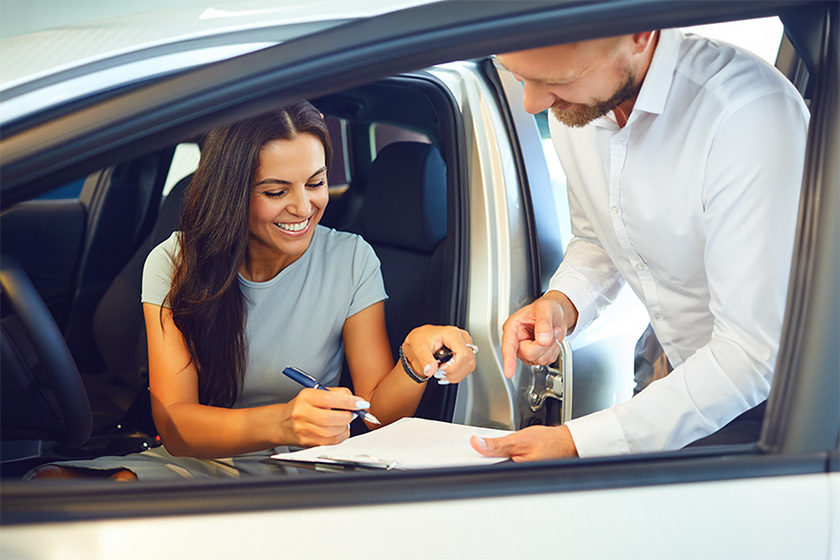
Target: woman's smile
295,228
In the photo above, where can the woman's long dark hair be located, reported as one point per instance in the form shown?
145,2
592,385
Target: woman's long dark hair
207,304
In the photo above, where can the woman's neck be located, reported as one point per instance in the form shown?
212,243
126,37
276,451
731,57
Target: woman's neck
262,264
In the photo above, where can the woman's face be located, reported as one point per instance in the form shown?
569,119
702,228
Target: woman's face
288,198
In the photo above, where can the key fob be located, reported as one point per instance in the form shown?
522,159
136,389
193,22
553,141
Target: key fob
443,355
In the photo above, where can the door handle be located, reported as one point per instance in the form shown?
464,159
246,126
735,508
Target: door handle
553,382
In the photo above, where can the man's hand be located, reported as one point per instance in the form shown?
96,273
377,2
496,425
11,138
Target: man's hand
533,443
534,332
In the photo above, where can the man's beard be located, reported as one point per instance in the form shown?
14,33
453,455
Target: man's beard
580,115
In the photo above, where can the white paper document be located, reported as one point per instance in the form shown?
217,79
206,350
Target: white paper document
409,443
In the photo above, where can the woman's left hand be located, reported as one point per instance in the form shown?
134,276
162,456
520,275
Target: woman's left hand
422,342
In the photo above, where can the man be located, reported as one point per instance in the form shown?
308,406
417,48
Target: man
683,160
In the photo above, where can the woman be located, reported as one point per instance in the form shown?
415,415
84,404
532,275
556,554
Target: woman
251,284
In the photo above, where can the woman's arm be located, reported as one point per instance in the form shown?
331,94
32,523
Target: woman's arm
188,428
391,392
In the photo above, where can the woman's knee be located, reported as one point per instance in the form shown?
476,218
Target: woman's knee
123,475
56,472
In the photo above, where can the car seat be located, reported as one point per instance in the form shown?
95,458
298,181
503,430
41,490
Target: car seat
115,200
404,219
120,332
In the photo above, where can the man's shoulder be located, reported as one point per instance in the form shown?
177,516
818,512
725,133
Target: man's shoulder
726,72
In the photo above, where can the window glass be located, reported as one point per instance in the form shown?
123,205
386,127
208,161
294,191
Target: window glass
761,37
184,162
384,134
339,173
68,191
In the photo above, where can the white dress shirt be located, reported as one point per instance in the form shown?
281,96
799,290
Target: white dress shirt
693,203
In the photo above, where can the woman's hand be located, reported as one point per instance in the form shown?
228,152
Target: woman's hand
421,344
316,417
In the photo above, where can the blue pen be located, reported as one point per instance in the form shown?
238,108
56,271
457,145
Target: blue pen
307,380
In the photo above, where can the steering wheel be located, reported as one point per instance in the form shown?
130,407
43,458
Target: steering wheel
56,369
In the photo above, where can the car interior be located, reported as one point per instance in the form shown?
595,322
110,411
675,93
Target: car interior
83,247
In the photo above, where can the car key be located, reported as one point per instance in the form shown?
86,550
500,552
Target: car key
443,355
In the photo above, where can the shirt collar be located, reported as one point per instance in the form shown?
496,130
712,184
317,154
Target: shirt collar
657,82
660,75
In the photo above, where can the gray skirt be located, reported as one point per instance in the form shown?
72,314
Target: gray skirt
157,464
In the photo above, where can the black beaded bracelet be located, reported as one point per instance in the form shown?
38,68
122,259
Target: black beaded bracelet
409,370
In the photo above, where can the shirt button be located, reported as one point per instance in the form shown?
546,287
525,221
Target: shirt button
614,209
657,315
640,266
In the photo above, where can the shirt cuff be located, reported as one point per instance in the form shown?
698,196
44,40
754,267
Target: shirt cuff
581,297
598,434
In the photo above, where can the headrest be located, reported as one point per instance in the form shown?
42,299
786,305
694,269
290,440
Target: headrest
405,198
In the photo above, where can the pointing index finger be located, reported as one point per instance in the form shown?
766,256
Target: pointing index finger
510,347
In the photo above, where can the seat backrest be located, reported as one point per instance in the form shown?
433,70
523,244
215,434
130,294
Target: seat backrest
404,219
118,325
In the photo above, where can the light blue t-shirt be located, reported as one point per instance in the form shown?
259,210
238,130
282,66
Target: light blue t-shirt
296,318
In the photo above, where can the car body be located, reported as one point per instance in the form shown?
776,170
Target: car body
117,121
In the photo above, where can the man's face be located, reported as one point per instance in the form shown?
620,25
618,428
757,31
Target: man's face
578,82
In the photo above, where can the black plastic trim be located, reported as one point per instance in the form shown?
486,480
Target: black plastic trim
44,502
803,414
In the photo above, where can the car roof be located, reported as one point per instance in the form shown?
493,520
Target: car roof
208,30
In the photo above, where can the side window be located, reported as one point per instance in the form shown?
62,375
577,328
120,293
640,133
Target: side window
558,179
339,174
68,191
761,37
187,155
184,162
384,134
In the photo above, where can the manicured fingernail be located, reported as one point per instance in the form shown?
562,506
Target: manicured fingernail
427,369
443,381
440,374
481,443
362,404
